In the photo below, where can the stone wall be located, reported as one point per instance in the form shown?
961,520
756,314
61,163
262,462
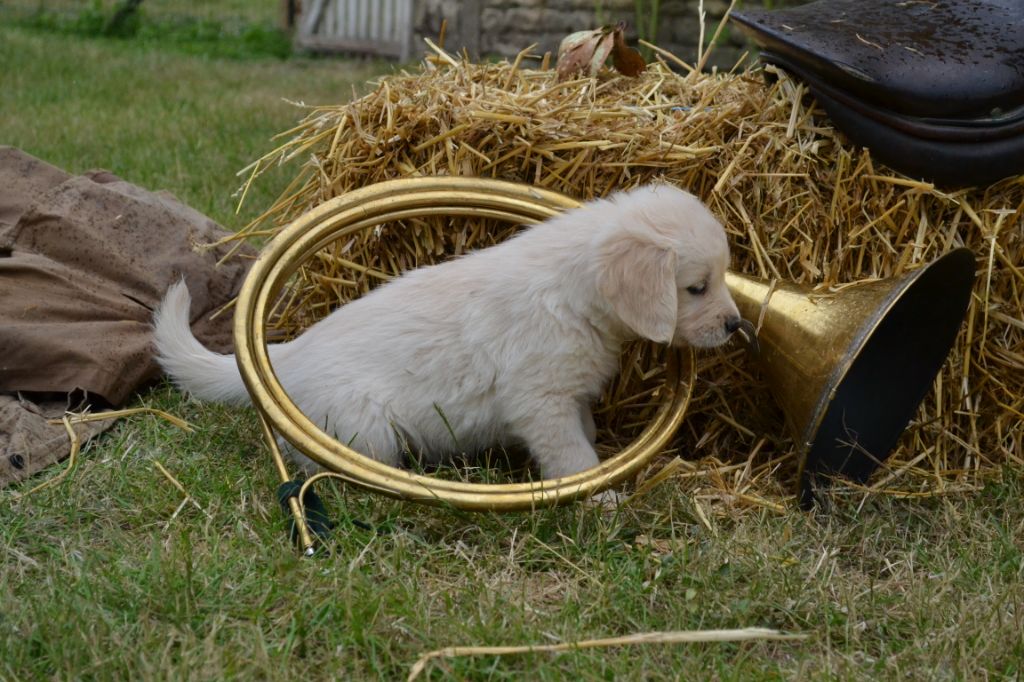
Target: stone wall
504,27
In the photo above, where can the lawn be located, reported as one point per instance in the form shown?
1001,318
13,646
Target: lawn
106,576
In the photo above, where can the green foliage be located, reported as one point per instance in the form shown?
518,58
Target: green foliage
124,20
647,14
212,36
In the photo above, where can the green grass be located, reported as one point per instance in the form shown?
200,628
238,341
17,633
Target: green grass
156,117
221,29
100,579
251,11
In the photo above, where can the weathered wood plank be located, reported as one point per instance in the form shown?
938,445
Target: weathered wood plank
312,18
377,27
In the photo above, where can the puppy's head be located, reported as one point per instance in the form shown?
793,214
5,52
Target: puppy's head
661,267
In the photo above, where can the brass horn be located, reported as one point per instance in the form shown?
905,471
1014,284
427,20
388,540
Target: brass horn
849,368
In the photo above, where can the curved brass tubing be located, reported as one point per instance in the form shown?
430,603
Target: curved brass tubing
395,200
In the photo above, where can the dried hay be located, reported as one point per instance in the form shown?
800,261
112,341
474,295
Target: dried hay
800,203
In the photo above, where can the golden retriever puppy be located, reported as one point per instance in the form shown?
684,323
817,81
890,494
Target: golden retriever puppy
507,345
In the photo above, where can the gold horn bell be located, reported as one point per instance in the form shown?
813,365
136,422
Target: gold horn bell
849,368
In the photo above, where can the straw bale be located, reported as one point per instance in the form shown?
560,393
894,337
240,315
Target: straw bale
800,203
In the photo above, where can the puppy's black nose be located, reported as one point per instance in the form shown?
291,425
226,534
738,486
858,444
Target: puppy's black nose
732,324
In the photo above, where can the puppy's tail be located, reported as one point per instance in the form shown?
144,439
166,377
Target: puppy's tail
207,375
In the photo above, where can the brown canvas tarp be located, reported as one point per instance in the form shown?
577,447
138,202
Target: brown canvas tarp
83,262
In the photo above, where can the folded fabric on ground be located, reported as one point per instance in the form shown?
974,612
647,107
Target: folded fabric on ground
84,260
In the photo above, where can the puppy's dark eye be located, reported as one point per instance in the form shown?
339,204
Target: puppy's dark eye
698,289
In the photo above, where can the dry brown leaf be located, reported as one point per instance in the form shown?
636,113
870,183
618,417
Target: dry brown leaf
626,60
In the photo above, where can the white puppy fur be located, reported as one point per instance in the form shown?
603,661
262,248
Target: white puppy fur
509,344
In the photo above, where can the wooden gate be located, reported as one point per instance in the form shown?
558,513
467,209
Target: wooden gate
377,27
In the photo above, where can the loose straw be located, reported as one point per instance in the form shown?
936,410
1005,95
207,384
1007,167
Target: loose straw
673,637
68,420
76,445
177,484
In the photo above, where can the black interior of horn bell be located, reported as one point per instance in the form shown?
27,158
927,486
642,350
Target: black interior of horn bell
890,375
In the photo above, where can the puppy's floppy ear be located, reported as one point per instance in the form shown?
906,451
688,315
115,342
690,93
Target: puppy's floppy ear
638,278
